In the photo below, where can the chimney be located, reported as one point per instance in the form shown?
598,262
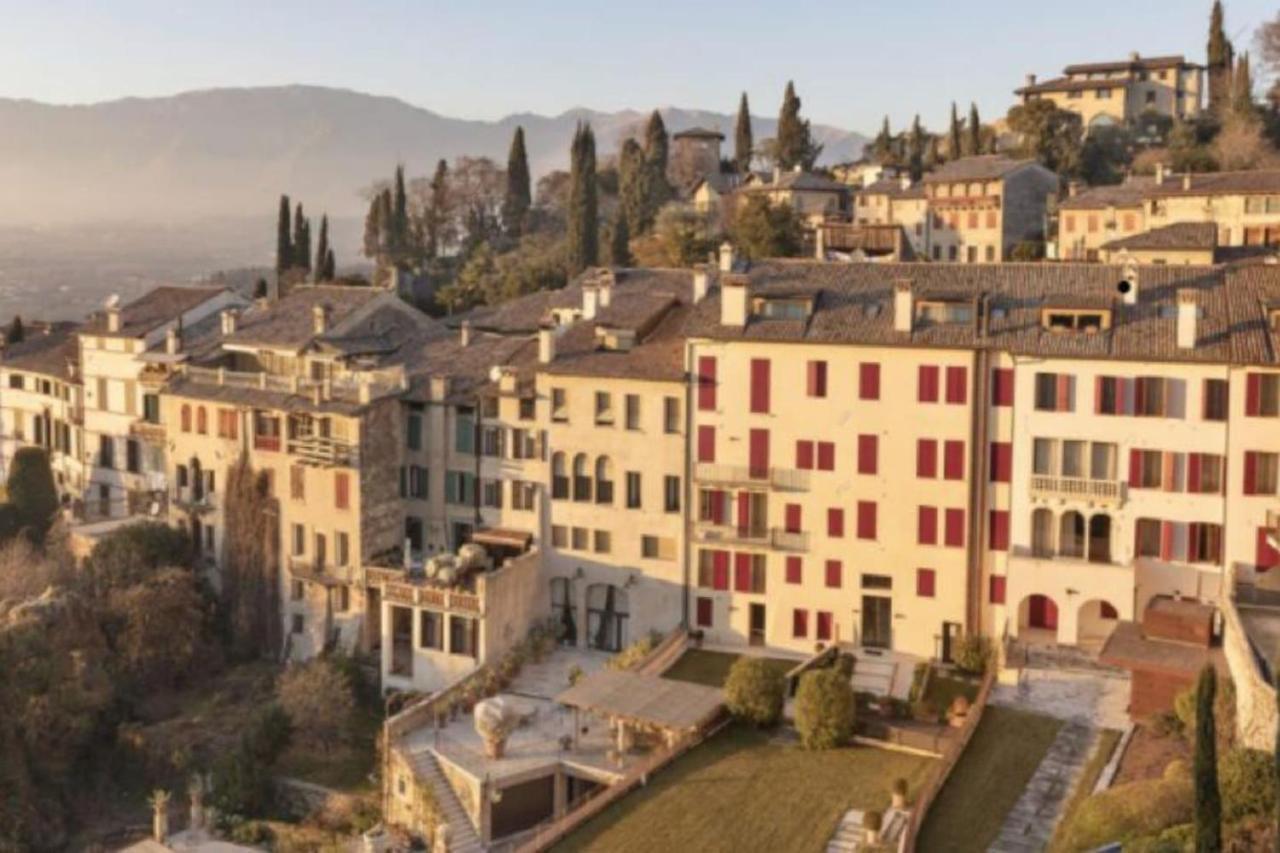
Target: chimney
113,318
173,340
1031,79
820,242
464,333
903,307
1159,174
230,321
1134,56
320,319
590,301
604,287
1073,187
1129,286
727,258
701,283
735,296
546,345
1187,311
904,181
1186,181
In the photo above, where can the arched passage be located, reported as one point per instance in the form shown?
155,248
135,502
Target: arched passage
1038,612
1097,620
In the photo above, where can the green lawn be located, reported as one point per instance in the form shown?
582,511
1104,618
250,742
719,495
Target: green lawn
991,775
742,791
712,668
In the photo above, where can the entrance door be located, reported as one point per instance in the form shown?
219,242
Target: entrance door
950,637
877,618
1042,613
756,635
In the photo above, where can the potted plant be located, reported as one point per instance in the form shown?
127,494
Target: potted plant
899,793
871,823
958,711
575,674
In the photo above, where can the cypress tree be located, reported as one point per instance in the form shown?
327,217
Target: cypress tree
437,210
915,152
330,266
656,189
883,145
620,242
973,144
1208,800
1242,87
953,138
794,143
631,186
31,491
742,138
1220,55
583,225
519,195
301,239
322,249
399,215
284,238
386,224
16,334
373,226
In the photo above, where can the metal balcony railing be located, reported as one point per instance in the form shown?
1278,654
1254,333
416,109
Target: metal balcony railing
1077,488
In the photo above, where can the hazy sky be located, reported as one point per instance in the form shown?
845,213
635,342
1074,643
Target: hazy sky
853,61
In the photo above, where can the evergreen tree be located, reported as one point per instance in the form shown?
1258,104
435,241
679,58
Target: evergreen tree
322,249
915,151
437,212
284,238
1208,799
953,137
386,224
373,226
631,186
794,145
16,334
301,239
882,147
620,242
743,142
656,190
1242,87
1220,55
583,222
973,138
330,266
260,289
31,491
933,153
519,196
399,236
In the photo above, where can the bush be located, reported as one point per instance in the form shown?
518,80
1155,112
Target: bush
1224,707
31,491
845,664
824,709
161,629
974,654
241,786
1027,250
134,553
1132,811
269,733
319,702
755,691
1247,779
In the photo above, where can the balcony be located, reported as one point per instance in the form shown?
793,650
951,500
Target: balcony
192,502
1077,488
324,574
781,479
147,431
771,538
323,451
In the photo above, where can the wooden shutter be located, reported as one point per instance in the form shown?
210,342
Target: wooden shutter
742,572
799,623
835,522
706,444
817,379
866,519
996,594
927,525
834,574
1253,394
795,570
869,381
826,456
926,458
1250,472
999,532
868,451
1001,462
720,569
718,499
925,579
759,453
1193,472
342,489
1063,401
955,528
1002,386
706,383
744,511
1267,557
953,460
1135,468
792,518
957,385
704,612
927,384
760,385
1098,383
804,455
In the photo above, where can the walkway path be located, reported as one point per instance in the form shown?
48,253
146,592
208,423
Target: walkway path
1029,826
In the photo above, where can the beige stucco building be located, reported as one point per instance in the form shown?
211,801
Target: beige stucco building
1109,93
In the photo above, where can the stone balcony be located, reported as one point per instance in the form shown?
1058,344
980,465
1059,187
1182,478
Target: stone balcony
1108,492
779,479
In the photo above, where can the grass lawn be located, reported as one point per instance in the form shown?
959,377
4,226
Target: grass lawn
741,791
991,775
942,690
712,668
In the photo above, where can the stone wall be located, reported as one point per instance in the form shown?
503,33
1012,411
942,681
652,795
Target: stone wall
1255,697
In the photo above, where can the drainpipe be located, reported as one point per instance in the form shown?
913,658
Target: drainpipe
686,443
979,485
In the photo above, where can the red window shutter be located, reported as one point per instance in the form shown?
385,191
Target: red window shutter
1193,540
817,379
1193,472
706,383
835,522
1135,468
759,453
866,519
1253,394
834,572
927,525
342,490
1001,462
1064,394
1139,394
926,458
744,511
799,623
760,385
804,455
1098,382
927,384
1250,472
869,381
704,612
953,460
1166,540
957,385
1002,386
824,625
1268,557
999,535
742,572
996,594
925,579
720,570
706,444
717,507
1124,396
868,450
955,528
795,570
792,517
826,456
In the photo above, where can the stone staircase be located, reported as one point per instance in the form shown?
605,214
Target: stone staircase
850,837
462,834
874,675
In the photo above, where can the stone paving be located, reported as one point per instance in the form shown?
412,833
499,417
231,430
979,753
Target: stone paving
1095,698
1029,825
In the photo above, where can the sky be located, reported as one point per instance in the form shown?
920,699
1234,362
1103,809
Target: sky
853,61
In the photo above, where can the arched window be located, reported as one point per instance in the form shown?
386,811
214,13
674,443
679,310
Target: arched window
581,478
1100,538
564,611
186,418
607,612
559,477
1071,535
604,480
1042,533
202,420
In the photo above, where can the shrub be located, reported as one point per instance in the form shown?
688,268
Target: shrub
31,491
133,553
241,785
269,733
633,654
1128,812
1248,785
1027,250
755,691
319,702
974,654
824,709
1184,712
161,629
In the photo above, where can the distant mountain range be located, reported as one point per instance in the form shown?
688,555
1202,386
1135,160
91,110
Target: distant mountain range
231,152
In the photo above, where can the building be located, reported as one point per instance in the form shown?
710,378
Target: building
695,154
42,403
1181,243
983,207
814,197
1110,93
899,201
1244,206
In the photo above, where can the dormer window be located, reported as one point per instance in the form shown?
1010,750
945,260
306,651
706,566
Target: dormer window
781,308
1088,321
942,313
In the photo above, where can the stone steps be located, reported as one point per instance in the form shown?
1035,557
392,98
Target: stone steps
462,833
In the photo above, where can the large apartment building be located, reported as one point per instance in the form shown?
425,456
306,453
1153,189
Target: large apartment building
43,403
1109,93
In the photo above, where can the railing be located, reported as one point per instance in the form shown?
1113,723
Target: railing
359,390
1080,488
147,430
783,479
186,499
324,451
761,537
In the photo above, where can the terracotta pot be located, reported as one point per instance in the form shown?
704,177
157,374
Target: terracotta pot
899,801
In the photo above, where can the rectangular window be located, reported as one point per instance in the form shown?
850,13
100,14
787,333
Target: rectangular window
760,385
826,456
604,408
464,431
791,518
995,594
795,570
706,383
927,384
926,458
1260,473
431,630
671,493
834,574
955,528
706,444
866,519
799,623
602,542
342,490
341,548
1001,462
463,636
835,522
413,431
633,490
999,533
297,482
559,536
758,453
299,540
1002,386
704,611
1262,395
953,460
869,381
804,455
559,405
957,385
925,580
671,415
1215,399
823,631
868,453
580,537
927,525
633,411
817,379
1055,392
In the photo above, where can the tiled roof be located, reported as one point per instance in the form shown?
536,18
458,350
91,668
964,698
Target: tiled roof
1181,235
1142,63
1127,194
152,310
853,304
468,367
1065,84
800,182
290,322
893,188
51,351
1218,183
703,132
981,167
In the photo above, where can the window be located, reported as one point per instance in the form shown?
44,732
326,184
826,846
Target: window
559,405
795,570
1055,392
938,313
1262,395
464,431
604,408
459,488
869,381
927,384
866,519
633,490
228,420
604,480
528,408
559,536
957,385
342,490
927,525
704,612
868,452
706,383
413,431
341,549
602,542
462,636
835,522
791,518
1002,386
995,594
16,381
870,581
132,456
926,458
799,623
760,385
185,416
706,444
633,411
652,548
826,456
524,495
823,631
1260,473
953,460
925,582
579,536
671,493
1205,473
297,624
833,574
955,528
748,573
491,494
998,535
1215,399
817,379
1070,320
430,630
297,590
299,540
671,415
1001,461
804,455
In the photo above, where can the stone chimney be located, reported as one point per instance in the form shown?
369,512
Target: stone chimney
1031,79
1073,189
604,287
590,301
1129,286
903,305
727,257
820,243
1187,310
320,319
701,282
173,340
464,333
735,297
1159,173
230,321
546,345
1186,181
113,318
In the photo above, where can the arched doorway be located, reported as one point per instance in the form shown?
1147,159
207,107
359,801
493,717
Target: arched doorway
1097,620
1071,536
1039,612
607,613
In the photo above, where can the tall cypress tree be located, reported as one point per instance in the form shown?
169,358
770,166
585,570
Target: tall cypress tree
284,238
743,141
322,249
437,211
1242,87
883,144
1208,800
973,137
953,137
373,226
1220,55
620,242
631,186
656,188
519,198
330,266
301,239
399,216
583,231
16,334
915,151
794,142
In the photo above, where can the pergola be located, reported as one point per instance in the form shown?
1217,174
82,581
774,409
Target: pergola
632,699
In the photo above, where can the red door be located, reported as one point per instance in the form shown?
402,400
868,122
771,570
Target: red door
1043,613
